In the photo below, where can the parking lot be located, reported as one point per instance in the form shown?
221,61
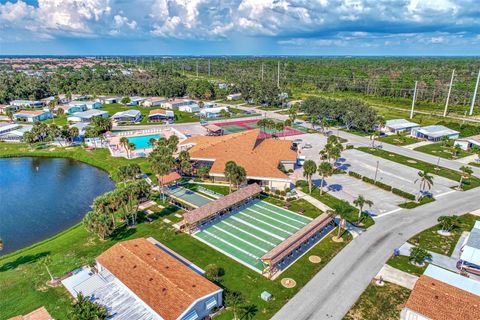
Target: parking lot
348,188
389,172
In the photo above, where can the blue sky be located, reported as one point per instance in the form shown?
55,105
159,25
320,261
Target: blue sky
244,27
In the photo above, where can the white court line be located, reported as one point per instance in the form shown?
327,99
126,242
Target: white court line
283,209
264,222
445,193
231,256
387,213
257,228
248,233
279,214
272,218
240,239
231,245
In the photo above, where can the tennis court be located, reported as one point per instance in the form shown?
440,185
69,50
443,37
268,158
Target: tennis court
243,125
249,233
188,196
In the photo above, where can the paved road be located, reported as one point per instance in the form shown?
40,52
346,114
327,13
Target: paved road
331,293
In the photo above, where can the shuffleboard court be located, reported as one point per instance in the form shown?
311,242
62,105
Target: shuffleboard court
248,234
188,196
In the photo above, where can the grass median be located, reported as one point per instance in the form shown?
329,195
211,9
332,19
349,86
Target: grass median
468,184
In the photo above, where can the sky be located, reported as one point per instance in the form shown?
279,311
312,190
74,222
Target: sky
240,27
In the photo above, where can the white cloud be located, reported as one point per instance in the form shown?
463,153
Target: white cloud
325,22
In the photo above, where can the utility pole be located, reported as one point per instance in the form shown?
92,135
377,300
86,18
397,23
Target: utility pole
413,99
474,94
278,74
262,70
209,67
448,95
197,68
376,173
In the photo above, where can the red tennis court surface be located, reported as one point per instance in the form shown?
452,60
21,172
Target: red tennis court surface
242,125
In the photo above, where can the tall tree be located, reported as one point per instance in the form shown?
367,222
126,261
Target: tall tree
84,309
309,169
425,180
325,169
360,202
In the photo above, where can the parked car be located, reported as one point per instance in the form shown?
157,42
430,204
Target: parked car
307,146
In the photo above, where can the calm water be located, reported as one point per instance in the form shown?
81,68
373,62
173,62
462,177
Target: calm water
40,197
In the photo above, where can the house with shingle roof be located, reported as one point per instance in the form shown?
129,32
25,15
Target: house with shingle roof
143,279
440,294
38,314
261,158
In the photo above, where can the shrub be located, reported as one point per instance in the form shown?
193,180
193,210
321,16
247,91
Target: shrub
301,184
419,255
213,272
290,170
354,174
288,190
403,194
368,180
383,186
283,193
267,189
277,192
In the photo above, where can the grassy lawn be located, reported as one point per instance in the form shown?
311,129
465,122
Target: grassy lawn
414,204
299,206
443,150
24,277
402,263
379,303
399,139
471,183
215,188
99,158
475,164
430,240
331,201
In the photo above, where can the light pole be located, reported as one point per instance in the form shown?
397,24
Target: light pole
376,172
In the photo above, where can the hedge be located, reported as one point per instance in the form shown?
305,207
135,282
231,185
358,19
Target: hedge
369,180
355,174
383,186
404,194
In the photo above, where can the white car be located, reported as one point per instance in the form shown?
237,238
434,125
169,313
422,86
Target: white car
307,146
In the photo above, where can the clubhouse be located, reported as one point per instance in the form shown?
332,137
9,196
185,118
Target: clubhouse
261,158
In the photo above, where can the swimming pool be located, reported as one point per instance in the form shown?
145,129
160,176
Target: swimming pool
143,142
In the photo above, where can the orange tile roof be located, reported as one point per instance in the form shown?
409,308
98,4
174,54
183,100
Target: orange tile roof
169,178
157,111
33,112
440,301
39,314
165,284
260,158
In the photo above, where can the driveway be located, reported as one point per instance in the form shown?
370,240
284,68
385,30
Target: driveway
391,173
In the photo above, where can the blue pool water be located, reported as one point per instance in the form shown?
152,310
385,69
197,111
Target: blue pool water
143,142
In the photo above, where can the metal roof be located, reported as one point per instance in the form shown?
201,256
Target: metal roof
453,279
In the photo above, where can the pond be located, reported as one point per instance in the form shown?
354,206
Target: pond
40,197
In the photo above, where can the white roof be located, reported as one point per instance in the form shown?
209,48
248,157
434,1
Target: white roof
453,279
77,103
437,131
471,248
127,113
214,110
8,126
89,113
400,124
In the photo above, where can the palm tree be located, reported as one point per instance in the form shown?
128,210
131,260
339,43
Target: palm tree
360,202
124,143
240,176
229,173
280,126
340,210
313,121
84,309
10,114
130,148
426,182
466,173
325,169
45,262
309,169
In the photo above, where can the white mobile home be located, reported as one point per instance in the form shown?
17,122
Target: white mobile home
212,112
87,116
128,116
435,133
400,125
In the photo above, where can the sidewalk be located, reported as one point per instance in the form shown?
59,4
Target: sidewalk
396,276
439,260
